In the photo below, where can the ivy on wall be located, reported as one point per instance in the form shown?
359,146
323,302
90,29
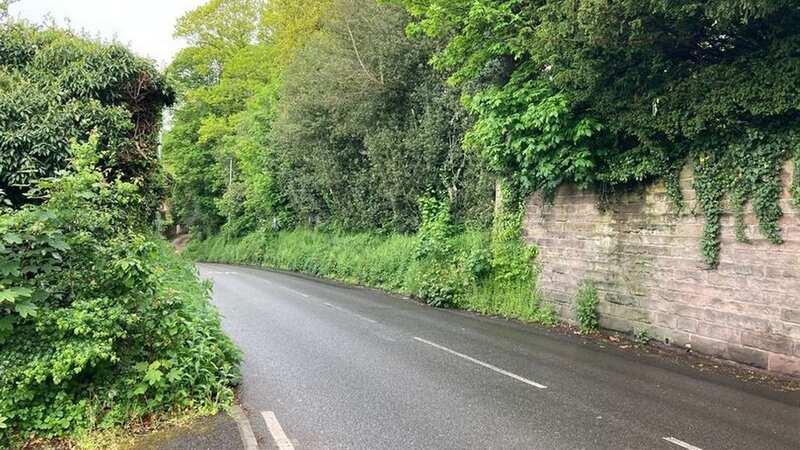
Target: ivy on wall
608,95
750,169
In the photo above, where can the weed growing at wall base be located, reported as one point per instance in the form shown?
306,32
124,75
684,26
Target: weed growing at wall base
586,308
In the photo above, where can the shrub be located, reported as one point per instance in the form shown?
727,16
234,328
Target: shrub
586,308
56,86
100,323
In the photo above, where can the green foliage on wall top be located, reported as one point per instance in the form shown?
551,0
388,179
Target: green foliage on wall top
613,93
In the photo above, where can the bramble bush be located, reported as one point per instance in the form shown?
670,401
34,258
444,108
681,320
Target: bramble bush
100,322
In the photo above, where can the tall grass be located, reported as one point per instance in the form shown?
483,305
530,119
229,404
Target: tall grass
471,277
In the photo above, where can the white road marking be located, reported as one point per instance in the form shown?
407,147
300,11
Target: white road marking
347,311
680,443
245,430
286,289
276,431
483,364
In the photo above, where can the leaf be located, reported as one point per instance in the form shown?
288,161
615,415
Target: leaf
59,244
26,309
13,238
14,294
153,376
6,325
10,268
140,389
174,375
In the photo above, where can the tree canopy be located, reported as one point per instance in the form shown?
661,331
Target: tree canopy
329,115
346,112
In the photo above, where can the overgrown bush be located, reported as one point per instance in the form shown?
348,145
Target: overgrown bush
100,323
586,308
56,85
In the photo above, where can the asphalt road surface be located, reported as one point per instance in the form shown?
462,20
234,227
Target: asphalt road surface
333,367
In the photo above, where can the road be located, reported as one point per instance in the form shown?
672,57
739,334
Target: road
333,367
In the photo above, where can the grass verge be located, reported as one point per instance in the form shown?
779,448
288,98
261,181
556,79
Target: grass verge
471,271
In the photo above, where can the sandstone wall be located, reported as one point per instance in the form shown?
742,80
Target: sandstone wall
646,263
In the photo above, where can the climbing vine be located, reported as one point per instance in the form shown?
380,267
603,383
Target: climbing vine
749,170
796,177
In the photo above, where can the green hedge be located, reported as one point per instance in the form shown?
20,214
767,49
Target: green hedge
57,85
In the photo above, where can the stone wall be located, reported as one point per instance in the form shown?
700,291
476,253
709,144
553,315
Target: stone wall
646,264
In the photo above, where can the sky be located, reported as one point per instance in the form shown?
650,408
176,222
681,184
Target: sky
146,26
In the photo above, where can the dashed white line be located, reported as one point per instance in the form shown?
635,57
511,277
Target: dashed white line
680,443
300,293
276,431
483,364
245,430
347,311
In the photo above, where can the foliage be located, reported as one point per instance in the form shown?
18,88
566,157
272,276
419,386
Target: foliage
326,114
642,336
220,77
528,134
796,177
56,86
586,308
4,6
750,169
614,93
365,128
100,323
473,273
287,25
435,230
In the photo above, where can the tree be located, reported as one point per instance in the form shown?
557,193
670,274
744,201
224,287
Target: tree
216,31
219,148
216,75
365,127
5,5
